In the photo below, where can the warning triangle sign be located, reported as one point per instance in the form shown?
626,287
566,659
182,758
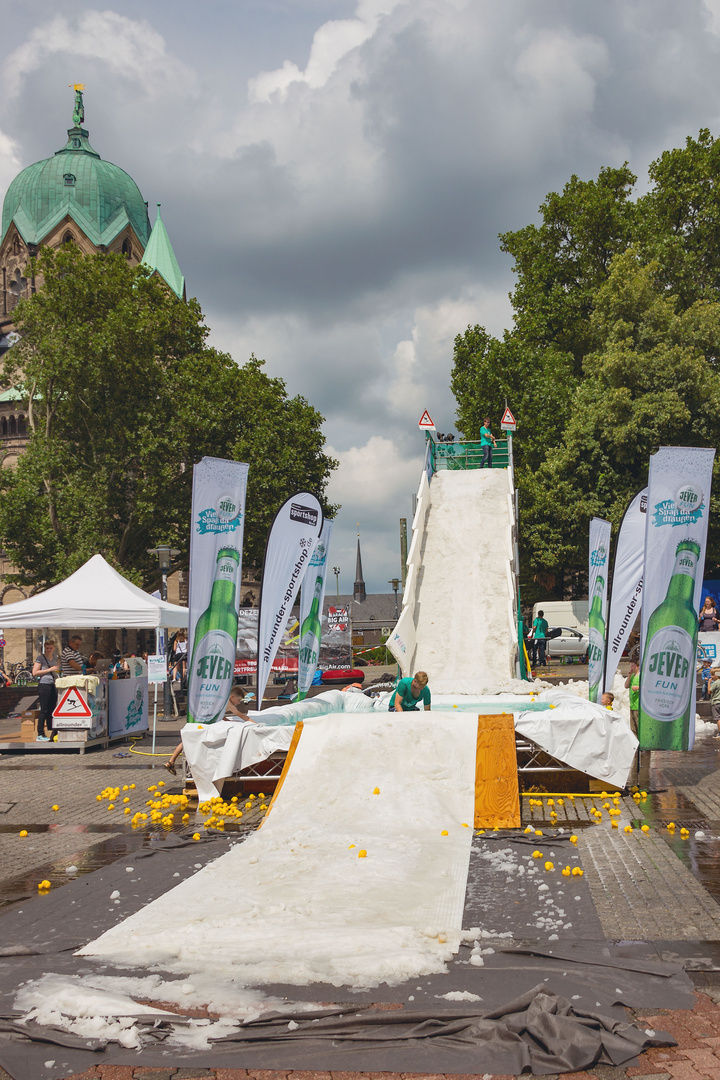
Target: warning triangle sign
425,421
508,421
71,705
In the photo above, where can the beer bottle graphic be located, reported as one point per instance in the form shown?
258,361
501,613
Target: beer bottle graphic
213,655
596,647
311,630
668,662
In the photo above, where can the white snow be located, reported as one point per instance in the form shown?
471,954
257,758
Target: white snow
464,553
295,903
459,995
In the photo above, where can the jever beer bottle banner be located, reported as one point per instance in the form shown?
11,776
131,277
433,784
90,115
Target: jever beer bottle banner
627,583
311,610
675,538
291,542
216,540
597,580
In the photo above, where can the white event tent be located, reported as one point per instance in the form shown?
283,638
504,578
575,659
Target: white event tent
95,595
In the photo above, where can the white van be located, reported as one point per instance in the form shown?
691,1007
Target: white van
571,618
570,613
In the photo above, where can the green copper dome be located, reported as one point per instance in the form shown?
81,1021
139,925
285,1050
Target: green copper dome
99,197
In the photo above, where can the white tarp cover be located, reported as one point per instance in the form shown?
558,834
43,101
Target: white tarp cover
95,595
295,903
216,751
586,736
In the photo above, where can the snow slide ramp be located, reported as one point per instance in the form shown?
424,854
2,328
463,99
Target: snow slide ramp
297,902
458,620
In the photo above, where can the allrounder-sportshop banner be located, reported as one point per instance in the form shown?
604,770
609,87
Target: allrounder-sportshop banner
216,542
675,538
599,558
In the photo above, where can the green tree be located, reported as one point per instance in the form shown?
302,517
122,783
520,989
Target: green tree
613,350
652,381
123,397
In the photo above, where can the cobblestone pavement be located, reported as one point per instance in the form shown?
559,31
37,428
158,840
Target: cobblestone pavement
641,889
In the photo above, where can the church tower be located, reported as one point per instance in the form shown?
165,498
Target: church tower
72,197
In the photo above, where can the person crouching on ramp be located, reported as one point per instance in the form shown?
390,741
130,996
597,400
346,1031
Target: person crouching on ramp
408,694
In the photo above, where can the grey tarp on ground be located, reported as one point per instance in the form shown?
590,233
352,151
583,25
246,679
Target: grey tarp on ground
570,989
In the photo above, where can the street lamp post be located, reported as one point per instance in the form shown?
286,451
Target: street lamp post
395,582
165,555
336,572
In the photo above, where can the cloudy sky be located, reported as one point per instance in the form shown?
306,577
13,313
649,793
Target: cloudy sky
334,174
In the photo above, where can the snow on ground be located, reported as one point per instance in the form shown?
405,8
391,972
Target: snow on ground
296,903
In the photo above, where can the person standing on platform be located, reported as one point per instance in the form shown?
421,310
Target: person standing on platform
46,669
487,441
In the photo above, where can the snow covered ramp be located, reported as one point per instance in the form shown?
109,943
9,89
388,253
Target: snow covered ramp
295,903
458,620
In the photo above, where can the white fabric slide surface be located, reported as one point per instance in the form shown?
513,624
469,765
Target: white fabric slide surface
295,903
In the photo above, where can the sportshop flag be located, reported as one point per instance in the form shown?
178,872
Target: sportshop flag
627,583
597,580
290,545
311,610
216,541
675,537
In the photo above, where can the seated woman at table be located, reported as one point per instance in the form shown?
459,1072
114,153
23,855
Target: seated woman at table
233,712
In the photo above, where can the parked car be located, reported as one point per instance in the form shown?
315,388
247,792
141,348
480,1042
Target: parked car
569,642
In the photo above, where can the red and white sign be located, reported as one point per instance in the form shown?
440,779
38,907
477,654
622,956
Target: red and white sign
508,422
71,706
425,421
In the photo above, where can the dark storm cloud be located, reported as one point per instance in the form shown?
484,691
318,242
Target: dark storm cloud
338,213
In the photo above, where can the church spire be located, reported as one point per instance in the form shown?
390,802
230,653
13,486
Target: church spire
160,257
359,587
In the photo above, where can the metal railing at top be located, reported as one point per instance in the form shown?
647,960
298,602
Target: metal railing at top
465,455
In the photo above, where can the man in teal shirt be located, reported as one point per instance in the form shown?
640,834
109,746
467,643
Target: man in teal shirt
487,441
540,632
408,694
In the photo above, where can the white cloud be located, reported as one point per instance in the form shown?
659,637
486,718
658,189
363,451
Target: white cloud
331,43
9,160
128,47
338,213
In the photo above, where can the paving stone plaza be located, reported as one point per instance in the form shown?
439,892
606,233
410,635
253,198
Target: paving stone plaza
653,886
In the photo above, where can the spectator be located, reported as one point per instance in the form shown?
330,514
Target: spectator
47,672
607,699
708,618
180,657
72,662
539,638
714,688
632,683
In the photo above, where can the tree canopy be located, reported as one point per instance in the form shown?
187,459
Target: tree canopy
124,396
614,349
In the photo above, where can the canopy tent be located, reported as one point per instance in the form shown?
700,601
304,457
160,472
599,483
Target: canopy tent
95,595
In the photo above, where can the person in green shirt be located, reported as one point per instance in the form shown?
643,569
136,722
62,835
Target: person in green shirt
408,694
714,690
487,441
632,683
539,638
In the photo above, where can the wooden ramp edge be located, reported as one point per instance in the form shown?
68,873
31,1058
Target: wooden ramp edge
497,798
288,762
